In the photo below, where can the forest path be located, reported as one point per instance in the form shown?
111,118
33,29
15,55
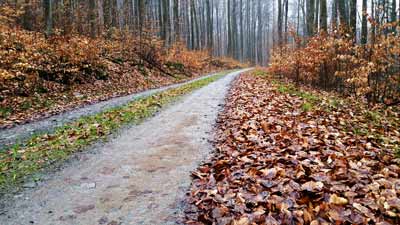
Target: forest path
138,178
24,131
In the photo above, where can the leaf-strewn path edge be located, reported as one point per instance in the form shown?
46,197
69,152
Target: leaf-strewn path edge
287,157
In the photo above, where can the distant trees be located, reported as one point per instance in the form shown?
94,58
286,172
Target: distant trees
242,29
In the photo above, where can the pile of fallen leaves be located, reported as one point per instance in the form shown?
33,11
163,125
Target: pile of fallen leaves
279,162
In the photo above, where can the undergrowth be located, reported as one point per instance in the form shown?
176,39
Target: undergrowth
378,123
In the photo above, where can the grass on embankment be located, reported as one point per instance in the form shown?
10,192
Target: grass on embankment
23,160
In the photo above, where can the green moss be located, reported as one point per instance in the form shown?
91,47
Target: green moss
260,73
26,105
283,89
5,112
175,65
310,100
373,116
24,160
307,96
306,106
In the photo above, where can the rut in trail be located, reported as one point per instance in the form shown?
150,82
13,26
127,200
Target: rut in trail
139,177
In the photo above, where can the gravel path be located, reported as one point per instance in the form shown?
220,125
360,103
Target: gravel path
138,178
24,131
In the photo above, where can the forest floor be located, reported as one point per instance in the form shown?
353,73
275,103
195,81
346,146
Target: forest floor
140,177
287,154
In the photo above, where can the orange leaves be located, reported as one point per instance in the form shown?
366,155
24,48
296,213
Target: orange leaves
277,165
337,63
42,76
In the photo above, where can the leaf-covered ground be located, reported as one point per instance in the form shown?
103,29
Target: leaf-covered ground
289,156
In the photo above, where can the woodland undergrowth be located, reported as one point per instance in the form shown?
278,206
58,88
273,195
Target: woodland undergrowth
333,61
41,76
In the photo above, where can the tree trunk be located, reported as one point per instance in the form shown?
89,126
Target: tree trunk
107,14
310,17
334,14
280,20
393,15
92,18
364,25
114,13
323,20
209,26
176,21
353,19
48,16
342,14
286,20
316,16
166,22
27,16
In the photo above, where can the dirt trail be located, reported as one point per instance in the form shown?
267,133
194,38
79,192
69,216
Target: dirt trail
24,131
138,178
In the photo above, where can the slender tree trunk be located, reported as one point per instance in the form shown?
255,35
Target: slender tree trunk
234,31
280,20
353,19
334,14
114,13
364,25
229,28
393,16
286,20
177,21
259,35
373,29
166,22
316,16
323,20
27,16
342,14
92,18
107,14
209,26
310,17
141,14
241,31
48,16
